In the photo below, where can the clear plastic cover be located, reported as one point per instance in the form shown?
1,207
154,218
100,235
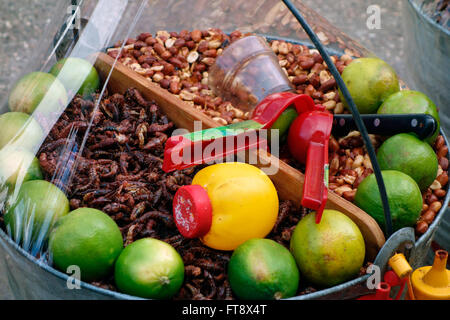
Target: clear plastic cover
75,136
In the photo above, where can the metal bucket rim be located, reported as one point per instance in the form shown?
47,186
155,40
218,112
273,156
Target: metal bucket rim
123,296
59,274
313,295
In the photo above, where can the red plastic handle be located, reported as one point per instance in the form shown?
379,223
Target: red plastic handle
272,106
308,143
181,152
393,280
382,293
314,190
384,288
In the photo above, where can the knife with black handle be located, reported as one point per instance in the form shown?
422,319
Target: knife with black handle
423,125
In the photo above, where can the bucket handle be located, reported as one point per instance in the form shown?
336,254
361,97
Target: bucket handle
354,110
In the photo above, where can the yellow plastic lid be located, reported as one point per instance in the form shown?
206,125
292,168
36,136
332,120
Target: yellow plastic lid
433,282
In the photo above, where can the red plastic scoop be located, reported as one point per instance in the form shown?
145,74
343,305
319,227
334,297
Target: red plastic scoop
187,150
308,143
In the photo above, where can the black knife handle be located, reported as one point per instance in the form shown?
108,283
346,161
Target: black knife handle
423,125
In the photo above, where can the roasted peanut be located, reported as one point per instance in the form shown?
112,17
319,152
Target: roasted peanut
339,108
144,36
431,198
359,159
168,69
333,186
344,188
436,206
329,105
421,227
442,152
309,90
159,48
443,162
327,85
164,83
349,195
307,64
203,46
443,178
158,76
333,144
349,163
440,193
196,35
150,41
300,79
174,87
334,165
428,216
166,55
439,142
220,121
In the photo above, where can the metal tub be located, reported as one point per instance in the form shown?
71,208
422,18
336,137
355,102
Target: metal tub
29,278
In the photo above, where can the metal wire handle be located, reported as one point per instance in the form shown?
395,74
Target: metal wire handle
359,123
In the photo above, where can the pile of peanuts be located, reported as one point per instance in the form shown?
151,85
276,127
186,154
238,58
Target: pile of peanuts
350,164
179,62
433,197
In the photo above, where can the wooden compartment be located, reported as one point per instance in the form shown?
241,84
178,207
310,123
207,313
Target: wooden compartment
288,181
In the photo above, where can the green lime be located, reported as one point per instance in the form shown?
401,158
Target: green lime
408,101
18,165
263,269
284,121
20,130
38,89
77,75
406,153
404,197
330,252
89,239
370,81
149,268
38,206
